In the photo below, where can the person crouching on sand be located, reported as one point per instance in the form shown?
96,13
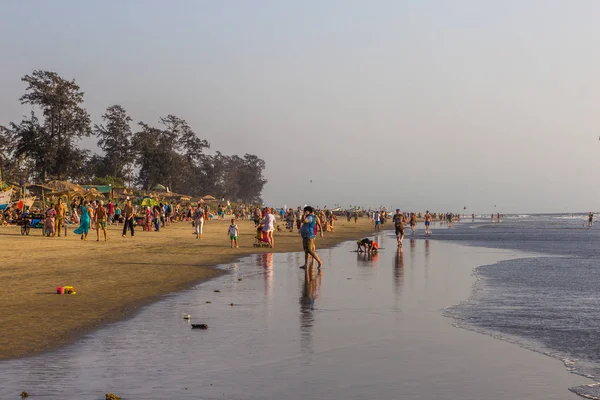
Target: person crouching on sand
367,245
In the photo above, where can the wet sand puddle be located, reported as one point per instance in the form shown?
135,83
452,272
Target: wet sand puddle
363,327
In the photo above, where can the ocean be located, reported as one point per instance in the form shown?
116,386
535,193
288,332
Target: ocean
549,303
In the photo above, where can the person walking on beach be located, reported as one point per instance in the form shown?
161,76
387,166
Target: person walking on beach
269,226
110,210
590,219
399,226
308,233
128,216
117,215
234,232
50,221
101,217
413,222
84,221
198,221
377,220
428,219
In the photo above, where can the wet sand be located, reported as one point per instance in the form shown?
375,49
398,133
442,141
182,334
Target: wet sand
113,279
365,327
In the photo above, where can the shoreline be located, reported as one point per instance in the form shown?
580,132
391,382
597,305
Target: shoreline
35,331
417,351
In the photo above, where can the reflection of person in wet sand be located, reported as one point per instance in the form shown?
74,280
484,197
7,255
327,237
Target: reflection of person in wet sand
311,289
310,292
399,267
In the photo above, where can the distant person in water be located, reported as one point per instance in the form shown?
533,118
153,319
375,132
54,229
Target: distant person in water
498,217
590,219
399,226
492,217
413,222
428,220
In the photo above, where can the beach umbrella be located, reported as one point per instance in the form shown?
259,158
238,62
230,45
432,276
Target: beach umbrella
149,202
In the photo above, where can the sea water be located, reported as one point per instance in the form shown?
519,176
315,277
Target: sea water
363,327
549,303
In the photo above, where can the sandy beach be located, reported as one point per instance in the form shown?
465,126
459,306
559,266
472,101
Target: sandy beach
365,327
114,279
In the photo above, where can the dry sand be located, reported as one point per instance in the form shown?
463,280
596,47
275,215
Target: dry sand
115,278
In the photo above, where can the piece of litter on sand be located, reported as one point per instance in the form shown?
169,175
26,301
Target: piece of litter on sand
199,326
208,302
217,291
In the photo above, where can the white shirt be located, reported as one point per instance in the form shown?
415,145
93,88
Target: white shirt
269,222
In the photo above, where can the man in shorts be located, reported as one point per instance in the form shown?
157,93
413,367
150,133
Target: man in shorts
399,226
413,222
310,224
377,220
101,217
428,219
61,214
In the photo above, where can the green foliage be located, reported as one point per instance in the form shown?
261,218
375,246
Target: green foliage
171,154
109,180
114,139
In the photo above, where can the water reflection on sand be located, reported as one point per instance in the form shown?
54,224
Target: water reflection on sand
352,330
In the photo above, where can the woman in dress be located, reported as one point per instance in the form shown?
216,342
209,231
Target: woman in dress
84,224
49,223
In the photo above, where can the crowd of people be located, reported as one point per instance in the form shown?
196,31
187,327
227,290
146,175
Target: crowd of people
308,221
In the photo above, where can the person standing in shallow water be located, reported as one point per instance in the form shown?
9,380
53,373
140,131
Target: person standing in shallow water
307,231
428,219
413,222
590,219
399,226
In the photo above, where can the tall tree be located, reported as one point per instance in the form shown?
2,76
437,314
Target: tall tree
169,156
115,138
65,120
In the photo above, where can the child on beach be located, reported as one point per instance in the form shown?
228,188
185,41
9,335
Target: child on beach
234,232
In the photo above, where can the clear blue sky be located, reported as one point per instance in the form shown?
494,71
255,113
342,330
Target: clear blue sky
417,104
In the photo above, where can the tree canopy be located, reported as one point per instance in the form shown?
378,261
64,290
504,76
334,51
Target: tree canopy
43,147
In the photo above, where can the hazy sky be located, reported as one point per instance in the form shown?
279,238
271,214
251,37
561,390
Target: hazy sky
416,104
